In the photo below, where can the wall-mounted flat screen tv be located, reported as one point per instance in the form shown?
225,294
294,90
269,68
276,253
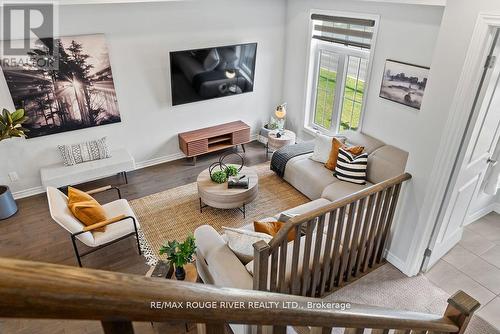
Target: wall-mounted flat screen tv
203,74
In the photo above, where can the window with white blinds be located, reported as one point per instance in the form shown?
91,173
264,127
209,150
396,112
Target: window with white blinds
341,47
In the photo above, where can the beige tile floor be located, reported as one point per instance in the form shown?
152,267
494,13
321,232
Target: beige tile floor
474,266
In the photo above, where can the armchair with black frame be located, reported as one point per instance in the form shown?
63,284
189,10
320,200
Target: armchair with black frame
122,222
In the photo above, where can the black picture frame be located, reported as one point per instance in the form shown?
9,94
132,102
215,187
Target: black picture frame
404,83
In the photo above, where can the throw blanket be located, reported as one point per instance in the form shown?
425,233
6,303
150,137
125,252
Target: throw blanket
281,156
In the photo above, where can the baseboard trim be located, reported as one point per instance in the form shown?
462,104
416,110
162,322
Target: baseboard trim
483,212
496,207
398,263
159,160
28,192
138,165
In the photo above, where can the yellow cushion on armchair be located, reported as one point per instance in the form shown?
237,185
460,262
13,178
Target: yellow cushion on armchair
85,208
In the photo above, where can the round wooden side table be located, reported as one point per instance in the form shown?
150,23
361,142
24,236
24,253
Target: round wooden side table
274,142
218,195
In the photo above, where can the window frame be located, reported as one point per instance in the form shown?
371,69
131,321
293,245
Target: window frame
312,72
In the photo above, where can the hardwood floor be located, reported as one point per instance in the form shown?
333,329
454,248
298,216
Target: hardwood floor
32,235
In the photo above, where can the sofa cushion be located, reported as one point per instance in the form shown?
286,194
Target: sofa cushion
306,207
386,162
216,263
322,147
351,168
308,176
241,241
334,153
360,139
272,228
342,189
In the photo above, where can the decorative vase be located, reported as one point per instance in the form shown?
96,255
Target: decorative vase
180,273
8,206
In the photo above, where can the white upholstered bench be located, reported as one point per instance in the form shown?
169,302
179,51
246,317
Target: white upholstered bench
59,175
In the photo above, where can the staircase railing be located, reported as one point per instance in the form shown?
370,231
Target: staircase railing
49,291
333,245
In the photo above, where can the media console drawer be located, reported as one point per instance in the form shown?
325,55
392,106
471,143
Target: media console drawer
241,136
197,147
214,138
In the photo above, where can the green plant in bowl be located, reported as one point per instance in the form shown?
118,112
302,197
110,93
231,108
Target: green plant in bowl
231,170
219,176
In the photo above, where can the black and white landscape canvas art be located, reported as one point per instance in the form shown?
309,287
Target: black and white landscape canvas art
404,83
78,94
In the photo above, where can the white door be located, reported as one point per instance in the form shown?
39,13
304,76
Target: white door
479,150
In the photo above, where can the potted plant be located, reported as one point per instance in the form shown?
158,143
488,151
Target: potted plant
10,126
179,254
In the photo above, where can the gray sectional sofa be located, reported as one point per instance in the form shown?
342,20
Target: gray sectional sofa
218,265
315,181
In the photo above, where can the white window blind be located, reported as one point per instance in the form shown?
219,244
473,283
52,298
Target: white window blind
348,31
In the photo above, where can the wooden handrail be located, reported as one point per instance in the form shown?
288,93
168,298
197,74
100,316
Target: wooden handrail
41,290
342,202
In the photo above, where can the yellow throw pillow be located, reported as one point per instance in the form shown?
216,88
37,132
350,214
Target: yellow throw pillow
334,153
272,228
85,208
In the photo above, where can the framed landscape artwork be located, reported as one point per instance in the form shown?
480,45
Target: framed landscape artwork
404,83
78,94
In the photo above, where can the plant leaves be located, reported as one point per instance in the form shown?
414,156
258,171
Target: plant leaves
17,115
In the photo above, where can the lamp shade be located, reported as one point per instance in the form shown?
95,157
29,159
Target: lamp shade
280,112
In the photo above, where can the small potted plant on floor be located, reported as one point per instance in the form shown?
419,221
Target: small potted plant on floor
179,254
10,127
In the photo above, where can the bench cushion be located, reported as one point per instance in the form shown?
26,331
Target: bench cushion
58,175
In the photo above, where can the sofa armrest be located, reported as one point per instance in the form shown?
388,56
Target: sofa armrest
216,263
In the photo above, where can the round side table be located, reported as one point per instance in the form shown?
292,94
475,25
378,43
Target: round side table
274,142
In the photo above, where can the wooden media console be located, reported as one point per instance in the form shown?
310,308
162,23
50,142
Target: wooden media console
214,138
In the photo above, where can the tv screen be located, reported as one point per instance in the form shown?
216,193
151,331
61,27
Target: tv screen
203,74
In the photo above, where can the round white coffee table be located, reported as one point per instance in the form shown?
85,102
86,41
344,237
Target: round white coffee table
218,195
274,142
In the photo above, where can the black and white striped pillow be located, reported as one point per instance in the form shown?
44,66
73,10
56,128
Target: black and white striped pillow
351,168
83,152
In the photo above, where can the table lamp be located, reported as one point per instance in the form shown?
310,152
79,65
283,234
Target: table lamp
280,114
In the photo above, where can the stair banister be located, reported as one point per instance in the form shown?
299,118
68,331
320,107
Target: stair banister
49,291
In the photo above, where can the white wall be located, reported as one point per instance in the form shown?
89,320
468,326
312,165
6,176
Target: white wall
139,38
458,23
407,33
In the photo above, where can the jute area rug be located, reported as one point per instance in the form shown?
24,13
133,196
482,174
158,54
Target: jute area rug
175,213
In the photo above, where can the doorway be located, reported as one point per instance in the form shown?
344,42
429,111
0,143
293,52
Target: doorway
464,249
473,162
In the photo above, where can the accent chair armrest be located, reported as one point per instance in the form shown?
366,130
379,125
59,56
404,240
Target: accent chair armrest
103,189
104,223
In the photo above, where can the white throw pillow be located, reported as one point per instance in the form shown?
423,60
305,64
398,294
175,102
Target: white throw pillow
241,242
323,146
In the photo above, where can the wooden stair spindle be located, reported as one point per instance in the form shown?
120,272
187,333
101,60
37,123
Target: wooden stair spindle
117,327
261,265
215,329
